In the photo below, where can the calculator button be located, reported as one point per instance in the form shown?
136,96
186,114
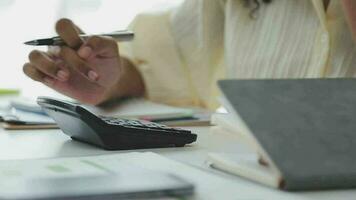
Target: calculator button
142,124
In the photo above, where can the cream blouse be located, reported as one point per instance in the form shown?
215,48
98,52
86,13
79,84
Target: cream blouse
182,52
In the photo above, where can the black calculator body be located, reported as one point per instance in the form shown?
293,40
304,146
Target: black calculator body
112,133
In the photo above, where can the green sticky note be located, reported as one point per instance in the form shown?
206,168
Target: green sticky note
9,91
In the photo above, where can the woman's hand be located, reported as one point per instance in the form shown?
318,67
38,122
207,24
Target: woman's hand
90,71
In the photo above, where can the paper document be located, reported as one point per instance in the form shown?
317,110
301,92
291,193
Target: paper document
141,108
130,108
105,177
69,167
18,120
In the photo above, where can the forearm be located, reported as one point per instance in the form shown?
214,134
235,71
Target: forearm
130,83
350,13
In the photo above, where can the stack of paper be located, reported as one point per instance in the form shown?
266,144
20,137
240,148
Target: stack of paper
24,114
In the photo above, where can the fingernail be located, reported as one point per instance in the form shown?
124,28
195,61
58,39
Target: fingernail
84,52
48,81
55,50
93,76
62,75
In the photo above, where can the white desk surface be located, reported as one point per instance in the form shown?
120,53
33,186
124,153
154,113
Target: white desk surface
53,143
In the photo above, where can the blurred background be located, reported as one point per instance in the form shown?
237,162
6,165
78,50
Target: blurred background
22,20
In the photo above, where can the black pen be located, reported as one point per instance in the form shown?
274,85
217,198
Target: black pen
57,41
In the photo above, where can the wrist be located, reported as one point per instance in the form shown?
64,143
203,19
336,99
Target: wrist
129,84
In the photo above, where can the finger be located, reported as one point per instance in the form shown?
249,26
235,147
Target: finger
47,66
37,75
69,33
79,30
74,61
97,45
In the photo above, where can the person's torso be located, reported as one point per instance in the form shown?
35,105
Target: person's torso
286,39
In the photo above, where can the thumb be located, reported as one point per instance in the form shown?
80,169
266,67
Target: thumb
98,46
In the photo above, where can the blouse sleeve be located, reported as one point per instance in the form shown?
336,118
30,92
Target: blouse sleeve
153,51
180,52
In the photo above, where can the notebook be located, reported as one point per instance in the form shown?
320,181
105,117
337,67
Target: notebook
303,128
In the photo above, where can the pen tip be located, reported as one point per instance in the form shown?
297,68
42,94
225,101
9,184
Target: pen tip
30,43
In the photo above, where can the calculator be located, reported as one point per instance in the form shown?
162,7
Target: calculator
112,133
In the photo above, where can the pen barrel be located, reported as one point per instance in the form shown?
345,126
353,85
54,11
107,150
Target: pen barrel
57,41
120,37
